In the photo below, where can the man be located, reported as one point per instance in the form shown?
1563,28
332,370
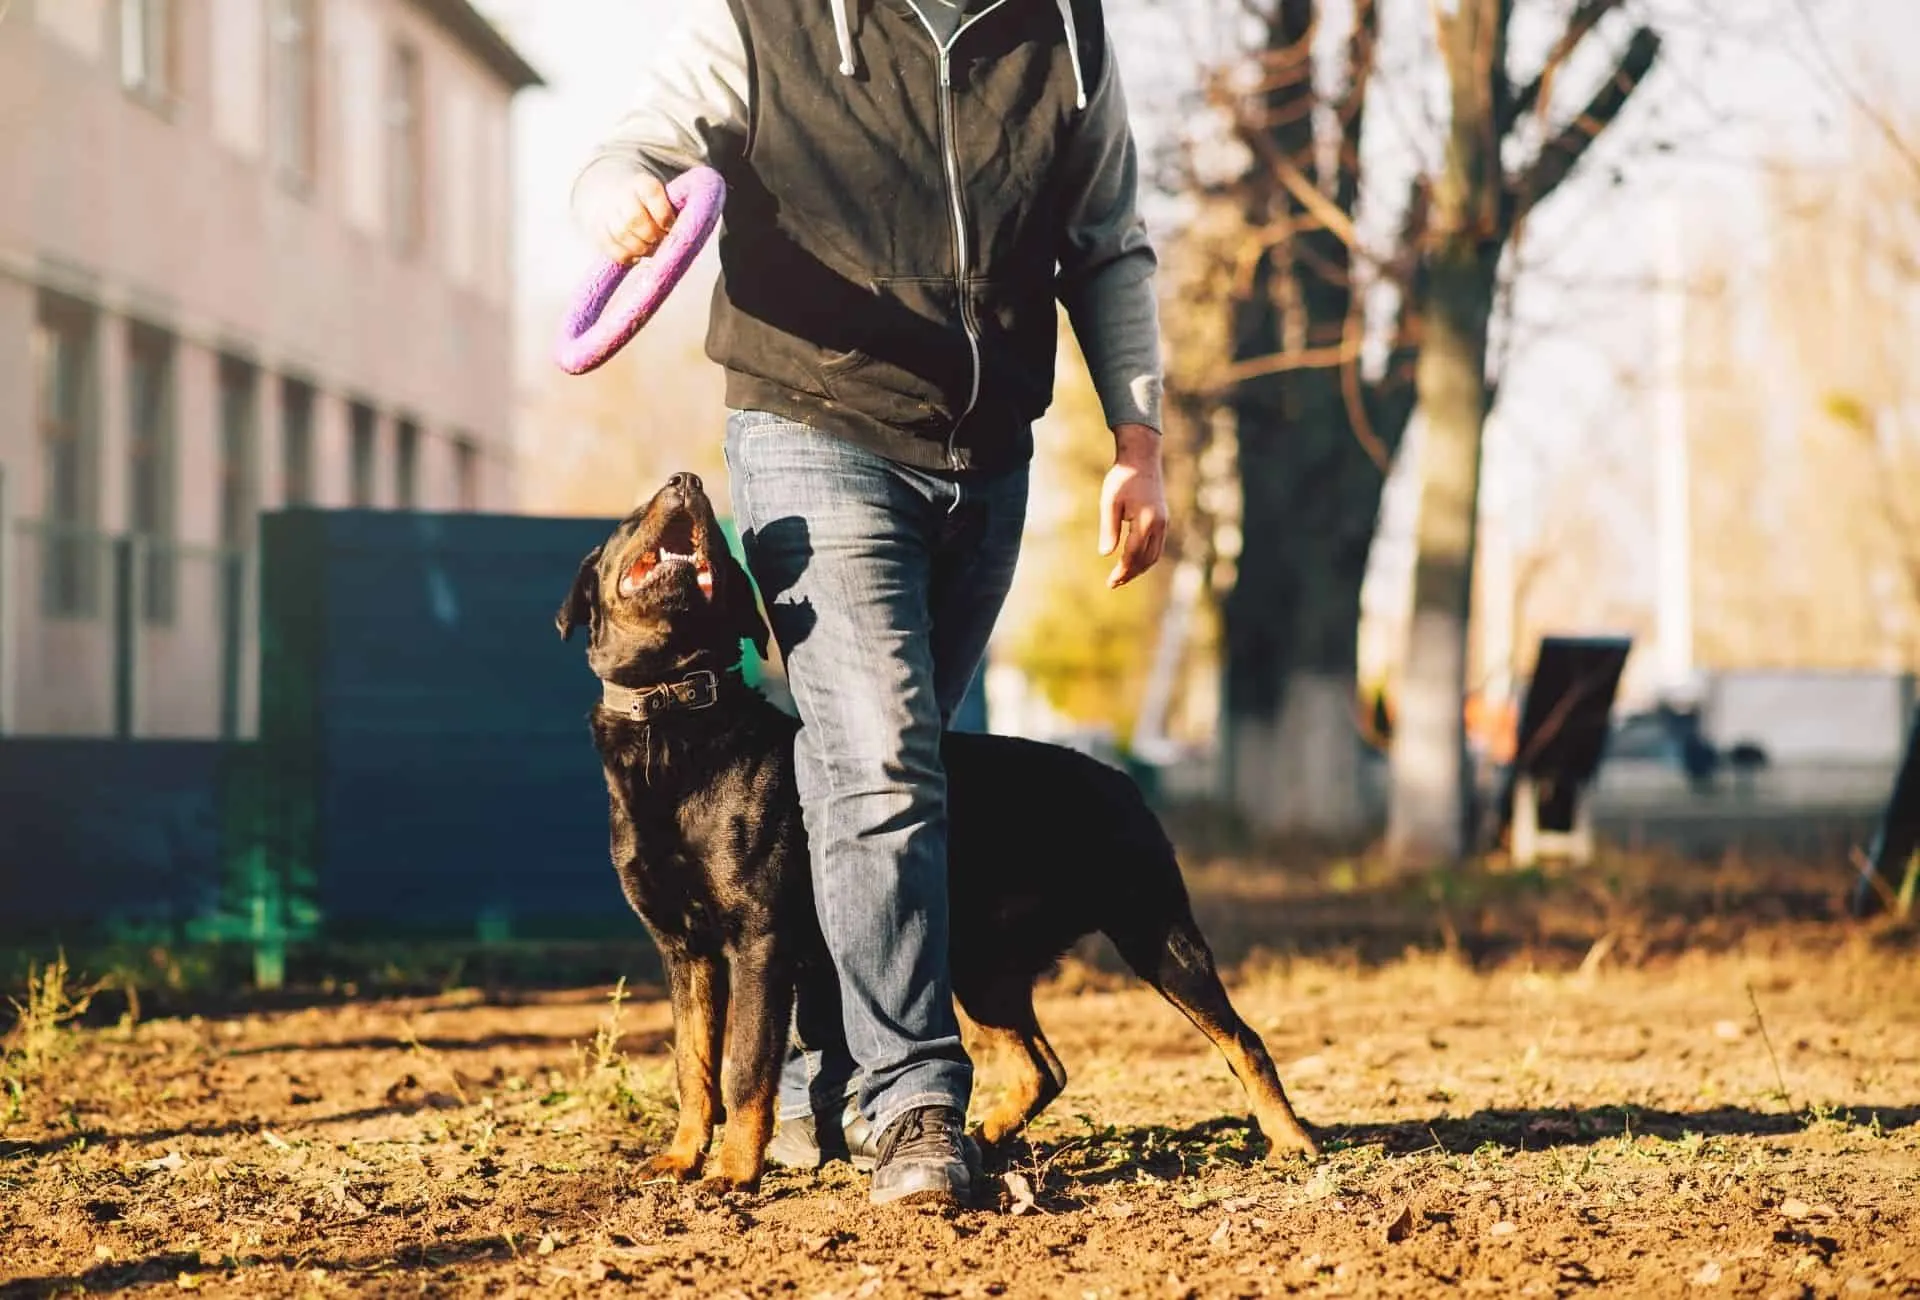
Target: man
911,185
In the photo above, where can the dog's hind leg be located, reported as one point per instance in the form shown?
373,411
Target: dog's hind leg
1002,1015
1168,951
698,985
762,990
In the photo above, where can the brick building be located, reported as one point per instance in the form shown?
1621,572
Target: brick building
253,253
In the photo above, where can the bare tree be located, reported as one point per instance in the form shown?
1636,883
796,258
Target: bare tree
1359,285
1299,297
1480,203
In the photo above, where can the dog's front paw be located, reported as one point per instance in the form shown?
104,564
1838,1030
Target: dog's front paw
1290,1144
737,1170
723,1186
998,1153
681,1168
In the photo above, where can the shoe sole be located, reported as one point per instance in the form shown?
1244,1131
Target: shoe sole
928,1198
926,1201
927,1189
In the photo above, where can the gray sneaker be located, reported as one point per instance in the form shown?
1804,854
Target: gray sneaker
796,1142
926,1158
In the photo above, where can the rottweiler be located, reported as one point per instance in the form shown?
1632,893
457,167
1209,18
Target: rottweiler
1045,846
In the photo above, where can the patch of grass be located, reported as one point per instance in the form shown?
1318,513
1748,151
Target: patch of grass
42,1031
607,1079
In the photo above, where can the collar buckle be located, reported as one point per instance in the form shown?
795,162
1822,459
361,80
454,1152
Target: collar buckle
697,690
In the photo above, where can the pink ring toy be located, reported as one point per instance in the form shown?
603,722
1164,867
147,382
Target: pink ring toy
589,339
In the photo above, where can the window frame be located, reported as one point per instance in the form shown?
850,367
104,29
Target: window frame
363,455
404,143
293,90
70,552
148,51
298,458
153,443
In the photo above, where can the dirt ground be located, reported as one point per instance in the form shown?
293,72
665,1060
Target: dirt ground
1608,1096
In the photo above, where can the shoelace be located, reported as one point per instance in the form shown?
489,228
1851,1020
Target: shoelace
927,1132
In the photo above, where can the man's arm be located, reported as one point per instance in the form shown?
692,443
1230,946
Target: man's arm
1106,263
1106,282
692,103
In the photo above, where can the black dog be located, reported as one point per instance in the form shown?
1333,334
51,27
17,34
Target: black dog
1046,845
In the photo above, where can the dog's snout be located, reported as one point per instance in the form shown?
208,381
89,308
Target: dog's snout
686,483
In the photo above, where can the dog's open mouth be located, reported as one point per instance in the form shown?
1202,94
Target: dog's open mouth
678,543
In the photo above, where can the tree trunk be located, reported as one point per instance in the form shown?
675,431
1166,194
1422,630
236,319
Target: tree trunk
1432,780
1292,751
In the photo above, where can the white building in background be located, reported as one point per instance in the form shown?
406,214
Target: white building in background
253,253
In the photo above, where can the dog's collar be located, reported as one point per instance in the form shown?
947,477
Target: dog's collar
697,690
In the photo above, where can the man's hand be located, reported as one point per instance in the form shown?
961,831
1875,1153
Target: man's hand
634,219
1134,496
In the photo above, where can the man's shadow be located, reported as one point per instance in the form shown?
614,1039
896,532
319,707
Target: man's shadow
1121,1154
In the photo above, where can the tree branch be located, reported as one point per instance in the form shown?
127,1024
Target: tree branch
1585,17
1363,51
1339,354
1561,154
1296,182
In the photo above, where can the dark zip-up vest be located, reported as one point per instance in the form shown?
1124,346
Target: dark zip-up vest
888,255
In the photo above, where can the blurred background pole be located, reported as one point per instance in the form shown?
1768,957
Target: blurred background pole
1673,565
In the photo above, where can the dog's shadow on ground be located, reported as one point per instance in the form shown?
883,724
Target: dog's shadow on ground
1102,1156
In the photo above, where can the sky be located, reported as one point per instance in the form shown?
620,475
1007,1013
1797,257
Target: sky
1728,92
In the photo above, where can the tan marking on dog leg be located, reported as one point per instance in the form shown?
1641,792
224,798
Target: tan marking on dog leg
756,1033
1250,1062
698,1014
1008,1025
743,1150
1179,964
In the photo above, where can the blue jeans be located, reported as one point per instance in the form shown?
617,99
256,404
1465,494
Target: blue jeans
882,584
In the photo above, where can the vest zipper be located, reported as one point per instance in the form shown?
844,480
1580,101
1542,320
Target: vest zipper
950,151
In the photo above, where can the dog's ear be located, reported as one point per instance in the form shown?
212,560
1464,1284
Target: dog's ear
582,598
735,591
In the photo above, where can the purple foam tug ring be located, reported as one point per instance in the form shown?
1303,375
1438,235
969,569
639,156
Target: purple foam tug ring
589,339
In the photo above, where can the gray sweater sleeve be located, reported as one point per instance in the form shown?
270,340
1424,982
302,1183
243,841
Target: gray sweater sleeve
1107,265
691,103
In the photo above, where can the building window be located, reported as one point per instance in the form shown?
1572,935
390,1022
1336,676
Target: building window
406,464
362,427
406,150
466,474
150,468
146,49
70,558
239,414
295,91
296,443
236,75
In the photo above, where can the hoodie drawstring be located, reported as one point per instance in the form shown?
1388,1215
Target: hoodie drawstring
1073,54
843,32
843,35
